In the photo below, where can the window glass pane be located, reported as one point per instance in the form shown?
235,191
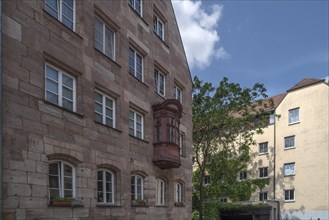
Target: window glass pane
98,97
68,193
53,169
138,6
100,196
50,97
67,104
52,86
108,177
109,122
68,93
53,182
109,112
100,175
67,11
99,108
67,170
98,118
68,183
131,61
99,35
54,193
52,73
109,197
67,23
51,7
68,3
109,103
67,81
109,42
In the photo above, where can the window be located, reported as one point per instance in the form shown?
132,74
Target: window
289,195
105,187
104,109
181,144
172,130
136,124
62,10
137,6
263,172
137,184
104,39
160,192
61,180
194,162
178,192
177,93
60,88
263,148
271,119
293,115
135,64
262,196
243,175
289,142
289,169
159,83
223,199
206,180
158,27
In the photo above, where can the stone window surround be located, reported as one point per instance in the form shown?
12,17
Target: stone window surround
112,186
105,26
262,196
291,195
263,148
104,96
160,192
157,83
158,17
179,202
135,114
59,13
262,172
132,4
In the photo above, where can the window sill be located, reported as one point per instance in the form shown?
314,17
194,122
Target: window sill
72,32
179,204
294,123
139,139
109,127
161,206
107,58
260,154
104,205
289,201
289,148
64,109
162,96
162,40
263,177
133,76
289,175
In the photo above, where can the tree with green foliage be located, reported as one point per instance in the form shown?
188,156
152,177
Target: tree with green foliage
224,122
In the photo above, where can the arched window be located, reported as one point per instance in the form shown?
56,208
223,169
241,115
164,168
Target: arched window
61,180
178,192
160,192
105,186
137,187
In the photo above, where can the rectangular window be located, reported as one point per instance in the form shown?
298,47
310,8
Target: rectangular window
271,119
135,64
289,142
289,169
178,192
62,10
104,109
160,192
181,144
60,88
206,180
263,172
262,196
158,27
159,83
137,6
177,93
263,148
104,39
243,175
223,199
294,115
136,124
289,195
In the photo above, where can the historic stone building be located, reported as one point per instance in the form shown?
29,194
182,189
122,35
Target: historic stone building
96,108
293,152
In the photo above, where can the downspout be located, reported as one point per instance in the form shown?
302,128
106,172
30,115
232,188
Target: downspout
274,152
1,132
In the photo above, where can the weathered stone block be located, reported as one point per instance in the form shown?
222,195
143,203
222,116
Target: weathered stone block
19,190
15,176
12,28
81,212
63,212
45,213
39,191
37,179
33,202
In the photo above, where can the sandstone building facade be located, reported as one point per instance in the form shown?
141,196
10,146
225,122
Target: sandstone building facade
96,109
293,152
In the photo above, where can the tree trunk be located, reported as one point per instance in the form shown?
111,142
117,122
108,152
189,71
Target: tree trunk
201,195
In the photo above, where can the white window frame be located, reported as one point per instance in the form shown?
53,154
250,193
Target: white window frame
289,191
157,83
291,116
261,196
60,12
263,169
160,192
178,192
176,89
104,107
61,177
288,138
60,86
134,119
136,54
271,119
135,196
262,146
156,27
104,38
294,169
133,3
104,171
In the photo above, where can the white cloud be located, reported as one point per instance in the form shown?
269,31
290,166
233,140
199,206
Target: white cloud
198,30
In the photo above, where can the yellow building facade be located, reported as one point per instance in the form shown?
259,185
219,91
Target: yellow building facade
293,152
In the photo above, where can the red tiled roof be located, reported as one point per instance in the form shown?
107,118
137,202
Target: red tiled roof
305,82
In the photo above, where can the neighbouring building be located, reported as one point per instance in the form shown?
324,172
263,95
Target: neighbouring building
293,152
96,109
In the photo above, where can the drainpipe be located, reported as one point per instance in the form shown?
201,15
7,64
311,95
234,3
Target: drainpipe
274,152
1,150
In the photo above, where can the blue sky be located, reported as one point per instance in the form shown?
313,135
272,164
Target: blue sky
277,43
